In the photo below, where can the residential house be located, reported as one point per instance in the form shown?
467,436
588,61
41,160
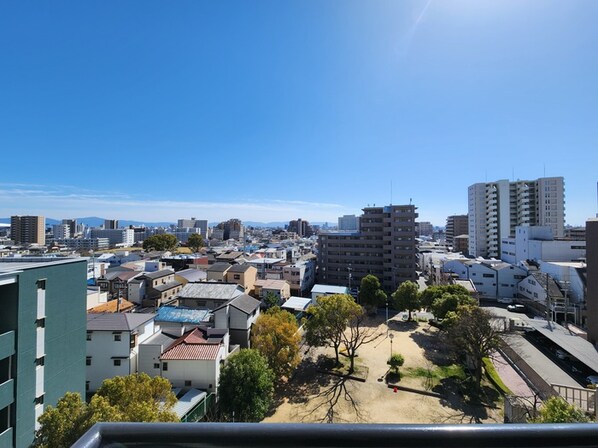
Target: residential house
194,360
268,267
116,281
176,320
327,290
113,306
155,288
301,276
238,315
190,275
217,272
208,295
244,275
280,288
112,344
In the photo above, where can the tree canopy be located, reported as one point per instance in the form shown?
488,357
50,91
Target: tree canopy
449,302
195,242
371,294
246,386
132,398
406,297
429,295
329,319
271,300
557,410
161,242
275,335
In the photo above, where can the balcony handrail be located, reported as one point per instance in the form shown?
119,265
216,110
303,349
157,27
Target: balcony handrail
346,435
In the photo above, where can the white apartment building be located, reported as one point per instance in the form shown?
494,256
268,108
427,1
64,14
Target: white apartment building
121,237
112,344
348,223
301,276
537,243
61,231
497,208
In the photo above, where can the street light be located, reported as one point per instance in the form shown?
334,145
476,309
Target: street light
390,336
386,317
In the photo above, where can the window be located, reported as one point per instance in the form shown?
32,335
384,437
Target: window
156,365
40,361
165,366
187,383
237,277
117,362
41,284
39,400
116,337
88,361
488,275
40,323
89,335
86,386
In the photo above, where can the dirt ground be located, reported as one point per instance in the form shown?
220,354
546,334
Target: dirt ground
311,396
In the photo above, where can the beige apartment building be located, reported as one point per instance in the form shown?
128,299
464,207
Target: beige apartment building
384,246
28,229
244,275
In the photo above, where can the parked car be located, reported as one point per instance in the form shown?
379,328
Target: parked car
561,354
516,308
592,380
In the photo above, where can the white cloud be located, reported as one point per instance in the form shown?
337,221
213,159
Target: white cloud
67,201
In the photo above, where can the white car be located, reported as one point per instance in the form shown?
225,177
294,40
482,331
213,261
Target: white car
516,308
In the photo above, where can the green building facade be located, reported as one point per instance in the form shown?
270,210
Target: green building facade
42,340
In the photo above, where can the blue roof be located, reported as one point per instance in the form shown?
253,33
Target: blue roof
182,315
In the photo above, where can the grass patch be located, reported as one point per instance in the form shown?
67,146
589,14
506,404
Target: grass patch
492,375
434,375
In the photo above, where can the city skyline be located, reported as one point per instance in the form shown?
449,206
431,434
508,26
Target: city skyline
270,111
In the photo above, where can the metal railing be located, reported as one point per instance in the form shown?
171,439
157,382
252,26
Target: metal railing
195,435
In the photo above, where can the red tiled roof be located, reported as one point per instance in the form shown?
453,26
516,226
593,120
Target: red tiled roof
191,346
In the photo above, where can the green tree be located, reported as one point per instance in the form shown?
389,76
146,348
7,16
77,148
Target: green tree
134,398
246,386
472,334
195,242
271,300
450,302
329,319
275,334
557,410
371,294
429,295
396,360
406,297
160,242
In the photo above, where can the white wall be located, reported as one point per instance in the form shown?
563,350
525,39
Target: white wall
202,373
102,348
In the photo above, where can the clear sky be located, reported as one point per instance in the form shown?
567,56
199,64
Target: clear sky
273,110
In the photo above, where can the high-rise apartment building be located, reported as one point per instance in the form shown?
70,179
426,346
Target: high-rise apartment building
456,225
72,223
384,246
424,228
28,229
348,223
110,224
193,223
300,227
42,341
61,231
496,208
592,279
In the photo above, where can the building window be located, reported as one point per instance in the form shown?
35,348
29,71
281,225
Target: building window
89,335
39,400
156,365
165,366
40,323
40,361
88,361
187,383
41,284
116,337
86,386
117,362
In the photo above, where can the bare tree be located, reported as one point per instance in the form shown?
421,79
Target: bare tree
356,335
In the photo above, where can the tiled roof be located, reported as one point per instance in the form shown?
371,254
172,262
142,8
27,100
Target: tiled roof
159,274
219,267
117,321
191,346
271,284
111,306
244,303
182,315
206,290
240,268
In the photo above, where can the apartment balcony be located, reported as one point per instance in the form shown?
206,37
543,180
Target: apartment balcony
7,344
145,435
6,438
7,393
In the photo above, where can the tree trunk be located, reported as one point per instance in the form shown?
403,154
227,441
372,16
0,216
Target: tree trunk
478,375
409,318
336,353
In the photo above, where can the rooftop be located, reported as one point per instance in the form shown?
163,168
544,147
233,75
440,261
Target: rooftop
219,267
111,307
191,346
182,315
211,290
329,289
244,303
117,321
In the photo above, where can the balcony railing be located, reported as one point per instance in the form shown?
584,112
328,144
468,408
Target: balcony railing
145,435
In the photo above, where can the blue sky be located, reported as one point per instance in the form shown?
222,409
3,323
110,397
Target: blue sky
273,110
